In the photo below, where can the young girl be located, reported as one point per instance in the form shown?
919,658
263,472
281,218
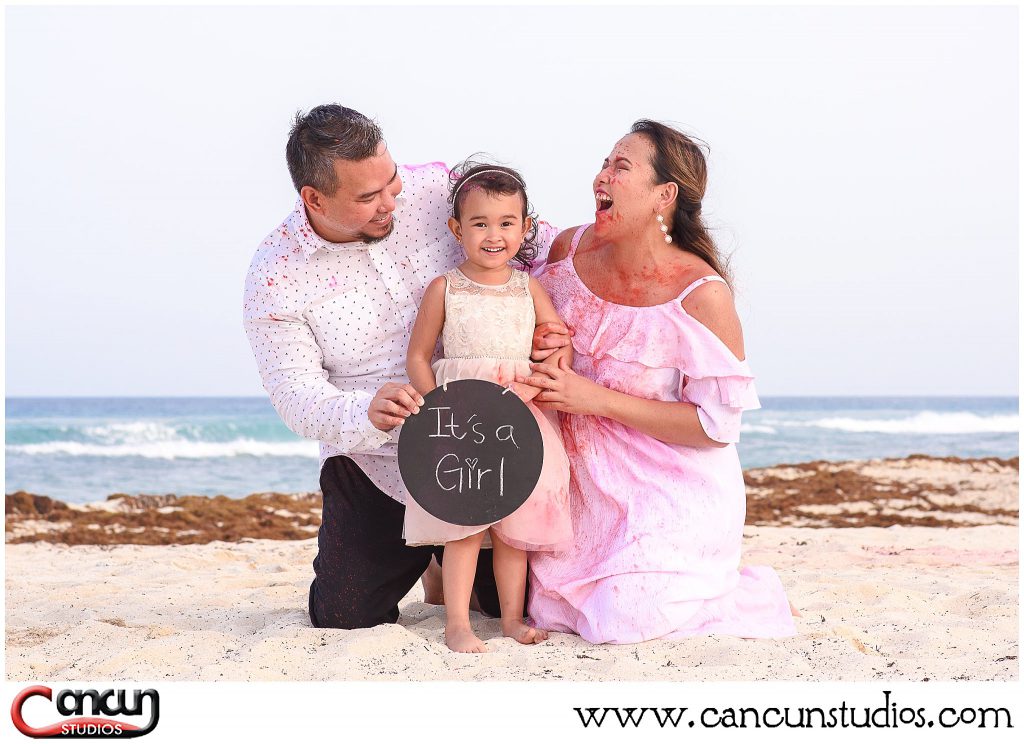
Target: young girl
485,312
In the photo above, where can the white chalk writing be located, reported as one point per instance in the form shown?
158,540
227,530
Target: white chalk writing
458,475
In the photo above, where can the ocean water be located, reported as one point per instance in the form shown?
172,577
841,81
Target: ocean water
84,449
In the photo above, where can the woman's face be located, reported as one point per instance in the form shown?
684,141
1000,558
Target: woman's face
624,190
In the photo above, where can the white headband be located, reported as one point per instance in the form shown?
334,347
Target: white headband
480,173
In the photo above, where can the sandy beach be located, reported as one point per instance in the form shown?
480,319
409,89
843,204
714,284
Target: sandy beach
903,570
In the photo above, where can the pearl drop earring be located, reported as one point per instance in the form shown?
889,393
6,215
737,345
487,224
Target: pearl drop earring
664,229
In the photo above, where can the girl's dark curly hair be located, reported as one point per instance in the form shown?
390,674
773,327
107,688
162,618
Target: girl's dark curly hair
498,179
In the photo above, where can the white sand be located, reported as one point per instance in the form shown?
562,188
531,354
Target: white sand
901,603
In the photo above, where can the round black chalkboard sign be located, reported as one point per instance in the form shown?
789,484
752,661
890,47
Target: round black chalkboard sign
473,453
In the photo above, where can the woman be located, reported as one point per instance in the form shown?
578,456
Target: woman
655,398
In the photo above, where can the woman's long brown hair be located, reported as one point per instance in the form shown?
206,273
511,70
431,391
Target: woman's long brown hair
679,159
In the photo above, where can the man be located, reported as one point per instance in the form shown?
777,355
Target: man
330,301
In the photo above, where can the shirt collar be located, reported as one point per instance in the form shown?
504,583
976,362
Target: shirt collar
311,242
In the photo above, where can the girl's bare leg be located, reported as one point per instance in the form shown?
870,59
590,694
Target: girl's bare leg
510,576
433,588
457,572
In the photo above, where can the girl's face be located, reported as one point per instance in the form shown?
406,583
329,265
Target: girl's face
491,228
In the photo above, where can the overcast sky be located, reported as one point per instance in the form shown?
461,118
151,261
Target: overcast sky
863,171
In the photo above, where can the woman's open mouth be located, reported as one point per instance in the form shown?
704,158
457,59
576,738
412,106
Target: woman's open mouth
604,201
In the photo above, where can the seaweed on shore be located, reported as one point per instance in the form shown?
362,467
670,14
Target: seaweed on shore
162,520
840,494
812,494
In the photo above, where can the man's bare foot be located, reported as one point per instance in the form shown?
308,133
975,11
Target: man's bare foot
794,611
474,604
464,641
522,632
433,587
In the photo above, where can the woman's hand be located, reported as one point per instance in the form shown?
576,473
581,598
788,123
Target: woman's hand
564,390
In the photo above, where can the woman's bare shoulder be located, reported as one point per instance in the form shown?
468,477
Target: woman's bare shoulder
712,305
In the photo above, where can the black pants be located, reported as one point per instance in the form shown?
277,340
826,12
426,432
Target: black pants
363,567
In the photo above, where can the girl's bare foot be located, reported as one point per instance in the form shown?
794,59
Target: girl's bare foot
522,632
464,641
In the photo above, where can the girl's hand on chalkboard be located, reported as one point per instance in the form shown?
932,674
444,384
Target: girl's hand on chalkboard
562,389
525,392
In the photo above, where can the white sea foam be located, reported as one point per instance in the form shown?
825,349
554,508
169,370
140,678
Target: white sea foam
132,432
173,449
756,429
926,422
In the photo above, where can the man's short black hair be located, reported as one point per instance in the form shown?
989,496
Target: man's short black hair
323,135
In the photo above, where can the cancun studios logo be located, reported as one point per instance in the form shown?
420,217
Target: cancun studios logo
94,726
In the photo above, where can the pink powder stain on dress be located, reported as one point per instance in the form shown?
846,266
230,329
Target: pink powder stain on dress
569,438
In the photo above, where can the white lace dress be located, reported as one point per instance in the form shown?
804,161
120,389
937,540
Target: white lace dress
488,335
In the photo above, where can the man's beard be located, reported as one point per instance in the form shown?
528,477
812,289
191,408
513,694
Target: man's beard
371,239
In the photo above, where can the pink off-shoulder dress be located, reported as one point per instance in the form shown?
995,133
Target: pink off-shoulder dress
657,527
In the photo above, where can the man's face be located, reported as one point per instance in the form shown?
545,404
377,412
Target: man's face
362,208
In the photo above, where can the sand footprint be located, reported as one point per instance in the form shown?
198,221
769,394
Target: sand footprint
857,640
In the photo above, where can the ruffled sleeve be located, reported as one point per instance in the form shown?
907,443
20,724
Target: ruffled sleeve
720,403
665,337
719,384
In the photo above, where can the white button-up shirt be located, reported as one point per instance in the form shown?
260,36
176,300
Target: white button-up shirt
329,323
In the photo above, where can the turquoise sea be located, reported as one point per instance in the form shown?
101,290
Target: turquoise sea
84,449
